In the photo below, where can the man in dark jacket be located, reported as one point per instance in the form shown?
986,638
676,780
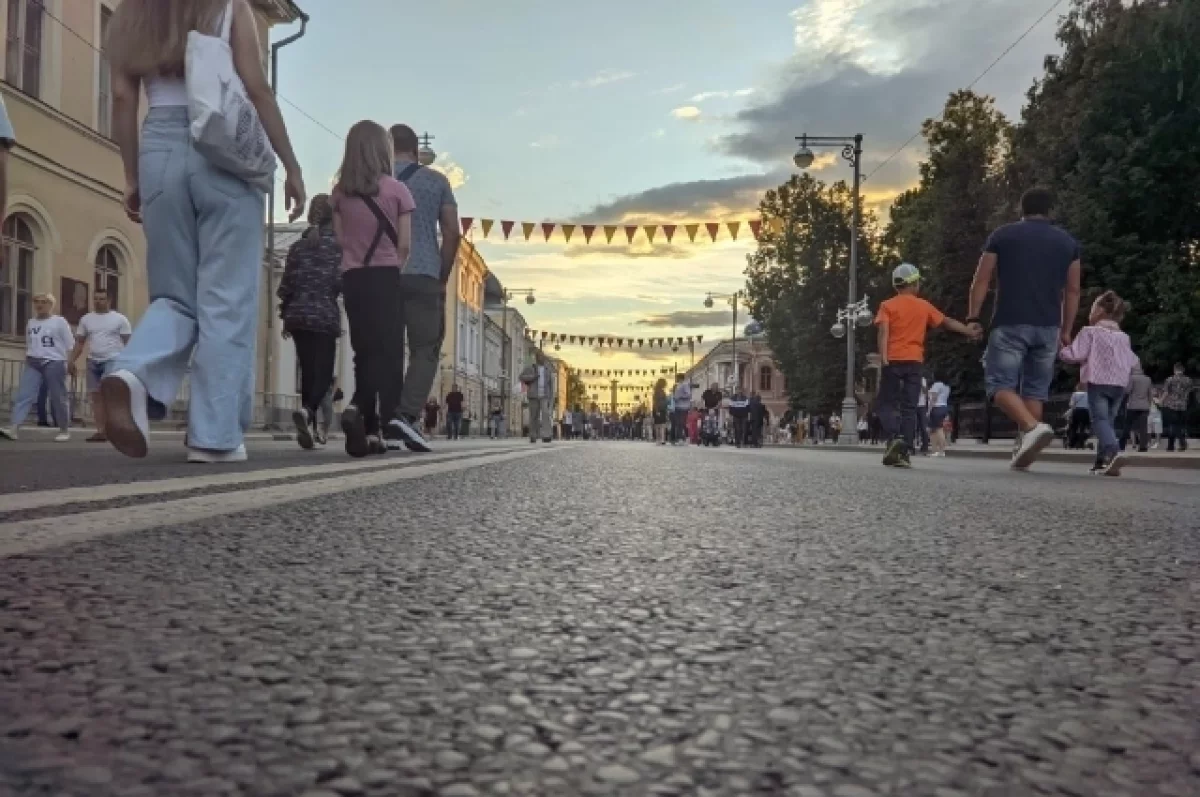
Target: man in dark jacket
739,411
754,436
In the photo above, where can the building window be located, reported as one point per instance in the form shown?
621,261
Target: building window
16,275
108,274
764,379
104,85
23,62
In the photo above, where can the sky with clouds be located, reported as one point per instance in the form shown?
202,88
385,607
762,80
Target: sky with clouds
635,112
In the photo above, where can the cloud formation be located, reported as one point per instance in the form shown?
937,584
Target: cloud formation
456,174
687,112
688,319
722,95
714,199
603,78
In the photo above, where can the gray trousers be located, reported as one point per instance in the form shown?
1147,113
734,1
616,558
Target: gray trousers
541,419
423,308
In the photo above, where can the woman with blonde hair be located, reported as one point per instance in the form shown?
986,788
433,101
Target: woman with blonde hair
203,225
48,343
308,307
372,222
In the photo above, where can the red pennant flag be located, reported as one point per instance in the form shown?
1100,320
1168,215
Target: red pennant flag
630,231
544,334
507,227
756,228
699,338
588,229
713,228
548,229
669,231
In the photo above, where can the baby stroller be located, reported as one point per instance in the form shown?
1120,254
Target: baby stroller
710,429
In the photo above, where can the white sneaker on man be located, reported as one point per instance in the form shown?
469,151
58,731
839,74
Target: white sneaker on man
126,421
202,456
10,433
402,429
62,437
1032,443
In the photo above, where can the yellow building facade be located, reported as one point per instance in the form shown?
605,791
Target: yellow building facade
66,231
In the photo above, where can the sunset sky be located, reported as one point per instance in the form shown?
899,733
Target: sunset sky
628,112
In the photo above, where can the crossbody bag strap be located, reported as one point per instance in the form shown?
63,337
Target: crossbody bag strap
385,228
407,172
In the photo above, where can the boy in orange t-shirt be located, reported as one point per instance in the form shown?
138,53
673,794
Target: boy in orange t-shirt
903,321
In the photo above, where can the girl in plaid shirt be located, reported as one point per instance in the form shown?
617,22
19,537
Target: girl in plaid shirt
1108,360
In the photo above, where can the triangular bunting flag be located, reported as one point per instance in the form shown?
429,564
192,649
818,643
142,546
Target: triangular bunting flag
609,231
466,223
756,228
548,229
776,225
588,229
699,338
640,341
669,231
713,228
651,231
734,226
486,224
527,228
567,230
506,227
544,334
630,231
692,229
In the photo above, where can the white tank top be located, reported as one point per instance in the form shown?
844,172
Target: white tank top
166,92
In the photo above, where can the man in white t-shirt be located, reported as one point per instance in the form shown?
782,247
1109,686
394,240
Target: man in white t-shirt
105,332
939,409
48,342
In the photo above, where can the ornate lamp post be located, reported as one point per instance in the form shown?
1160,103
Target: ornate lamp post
733,299
425,155
857,310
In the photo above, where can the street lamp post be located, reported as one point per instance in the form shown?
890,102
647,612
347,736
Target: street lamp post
512,342
854,309
733,299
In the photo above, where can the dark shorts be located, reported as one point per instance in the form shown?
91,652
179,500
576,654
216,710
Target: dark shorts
937,416
660,418
96,371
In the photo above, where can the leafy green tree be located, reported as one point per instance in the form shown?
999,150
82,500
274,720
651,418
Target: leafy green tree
576,391
1112,128
797,279
941,225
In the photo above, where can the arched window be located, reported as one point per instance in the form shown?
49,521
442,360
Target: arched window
764,379
16,275
108,274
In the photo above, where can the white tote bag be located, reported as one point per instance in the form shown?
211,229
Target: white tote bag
225,126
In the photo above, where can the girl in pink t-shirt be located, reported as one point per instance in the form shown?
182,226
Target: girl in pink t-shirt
372,222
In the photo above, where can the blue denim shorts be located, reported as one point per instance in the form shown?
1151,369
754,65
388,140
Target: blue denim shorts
1021,358
96,371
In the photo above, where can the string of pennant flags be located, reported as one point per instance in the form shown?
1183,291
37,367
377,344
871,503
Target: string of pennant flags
598,373
550,229
612,342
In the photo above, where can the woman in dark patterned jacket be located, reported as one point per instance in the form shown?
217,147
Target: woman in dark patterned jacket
308,305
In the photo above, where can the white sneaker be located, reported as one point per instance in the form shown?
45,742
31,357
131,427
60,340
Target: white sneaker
202,456
1031,445
62,437
10,433
127,424
400,429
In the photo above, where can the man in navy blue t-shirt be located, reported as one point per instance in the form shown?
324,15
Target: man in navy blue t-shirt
1036,269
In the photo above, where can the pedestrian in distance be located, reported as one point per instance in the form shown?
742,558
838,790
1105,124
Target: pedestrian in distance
432,412
683,404
48,344
308,307
1139,397
939,411
454,412
661,411
422,309
372,218
902,323
1177,392
1078,417
204,230
1036,267
1108,360
1155,418
105,333
539,380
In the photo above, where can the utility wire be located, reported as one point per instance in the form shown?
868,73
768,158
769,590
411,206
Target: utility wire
973,83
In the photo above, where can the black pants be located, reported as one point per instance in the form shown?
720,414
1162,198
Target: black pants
1175,428
1137,425
740,431
316,352
372,299
899,392
1077,432
923,427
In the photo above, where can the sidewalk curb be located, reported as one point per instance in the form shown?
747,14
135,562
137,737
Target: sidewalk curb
1049,455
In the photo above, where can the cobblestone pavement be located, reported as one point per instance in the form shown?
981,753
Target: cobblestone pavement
603,619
